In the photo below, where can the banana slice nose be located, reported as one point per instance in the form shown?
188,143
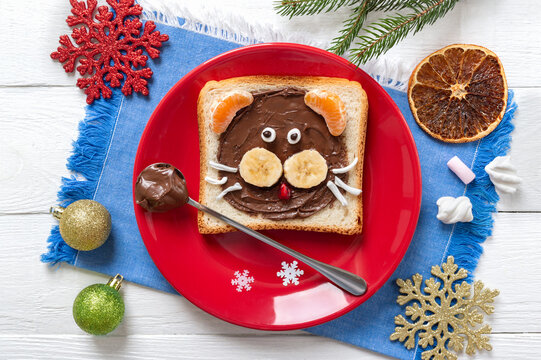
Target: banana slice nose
260,167
305,169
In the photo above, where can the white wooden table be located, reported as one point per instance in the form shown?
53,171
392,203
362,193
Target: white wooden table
40,108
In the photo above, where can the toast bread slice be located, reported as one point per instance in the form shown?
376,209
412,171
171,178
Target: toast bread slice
333,218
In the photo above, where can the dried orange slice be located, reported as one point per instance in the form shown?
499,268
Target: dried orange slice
330,106
459,93
225,110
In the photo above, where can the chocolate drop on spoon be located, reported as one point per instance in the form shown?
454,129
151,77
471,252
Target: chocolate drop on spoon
160,187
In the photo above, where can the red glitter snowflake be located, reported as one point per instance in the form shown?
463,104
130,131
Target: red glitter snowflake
110,48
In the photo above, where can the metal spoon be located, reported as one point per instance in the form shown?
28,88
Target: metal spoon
345,280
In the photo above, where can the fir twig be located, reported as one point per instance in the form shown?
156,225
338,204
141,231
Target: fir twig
386,32
355,22
309,7
352,26
379,36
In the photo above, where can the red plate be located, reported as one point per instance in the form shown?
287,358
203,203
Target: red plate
209,270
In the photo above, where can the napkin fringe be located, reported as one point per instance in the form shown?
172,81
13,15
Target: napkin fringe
219,23
234,28
86,163
389,72
466,239
465,244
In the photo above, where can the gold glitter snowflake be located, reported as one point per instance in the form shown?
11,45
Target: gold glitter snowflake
444,314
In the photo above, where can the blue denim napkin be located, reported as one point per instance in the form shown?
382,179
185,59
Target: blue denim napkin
105,151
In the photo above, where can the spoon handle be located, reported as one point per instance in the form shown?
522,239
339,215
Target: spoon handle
345,280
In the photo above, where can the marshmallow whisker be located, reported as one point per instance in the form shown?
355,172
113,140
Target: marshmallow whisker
235,187
334,189
345,169
216,181
222,167
350,189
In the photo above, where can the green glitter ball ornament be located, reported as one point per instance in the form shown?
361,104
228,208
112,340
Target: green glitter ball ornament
84,224
99,308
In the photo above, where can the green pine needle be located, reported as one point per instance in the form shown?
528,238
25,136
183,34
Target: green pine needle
379,36
354,23
352,26
382,35
309,7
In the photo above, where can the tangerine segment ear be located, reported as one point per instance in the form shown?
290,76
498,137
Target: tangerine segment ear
224,110
330,106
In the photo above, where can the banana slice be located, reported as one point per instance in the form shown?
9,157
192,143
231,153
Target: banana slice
260,167
305,169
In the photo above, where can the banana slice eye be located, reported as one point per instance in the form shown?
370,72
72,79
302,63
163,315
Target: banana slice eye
294,136
268,134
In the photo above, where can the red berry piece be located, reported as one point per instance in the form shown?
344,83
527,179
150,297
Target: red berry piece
285,193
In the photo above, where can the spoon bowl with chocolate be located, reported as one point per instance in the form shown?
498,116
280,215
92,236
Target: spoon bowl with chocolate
161,187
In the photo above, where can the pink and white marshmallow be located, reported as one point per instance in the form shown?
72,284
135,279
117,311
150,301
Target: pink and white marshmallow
461,170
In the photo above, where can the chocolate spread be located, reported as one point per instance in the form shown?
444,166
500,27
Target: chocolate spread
281,110
160,187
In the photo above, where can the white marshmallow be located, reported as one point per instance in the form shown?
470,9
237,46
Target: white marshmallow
461,170
452,210
503,174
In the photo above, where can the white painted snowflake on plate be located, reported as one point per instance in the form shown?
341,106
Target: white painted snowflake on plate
290,273
242,281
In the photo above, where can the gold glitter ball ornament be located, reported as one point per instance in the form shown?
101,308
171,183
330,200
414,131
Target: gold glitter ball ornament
444,313
84,224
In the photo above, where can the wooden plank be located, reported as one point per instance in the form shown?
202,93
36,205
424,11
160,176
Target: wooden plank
505,346
37,299
509,263
502,26
31,33
52,290
39,124
35,138
179,347
37,129
525,150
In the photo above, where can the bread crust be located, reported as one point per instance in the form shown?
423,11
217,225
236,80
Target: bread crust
260,223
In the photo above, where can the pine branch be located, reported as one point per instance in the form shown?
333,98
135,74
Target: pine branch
354,23
397,5
309,7
388,5
379,36
386,32
352,26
